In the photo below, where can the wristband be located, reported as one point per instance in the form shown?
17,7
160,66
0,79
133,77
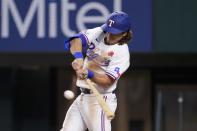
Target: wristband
90,74
78,55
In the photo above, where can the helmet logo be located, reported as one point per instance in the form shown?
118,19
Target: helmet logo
111,22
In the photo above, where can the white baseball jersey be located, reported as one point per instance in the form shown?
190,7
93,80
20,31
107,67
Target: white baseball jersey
112,60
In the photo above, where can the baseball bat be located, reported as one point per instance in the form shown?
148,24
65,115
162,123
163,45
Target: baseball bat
110,115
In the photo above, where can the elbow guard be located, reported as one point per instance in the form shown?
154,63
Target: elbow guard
81,36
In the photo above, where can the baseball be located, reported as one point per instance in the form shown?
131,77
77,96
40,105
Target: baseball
68,94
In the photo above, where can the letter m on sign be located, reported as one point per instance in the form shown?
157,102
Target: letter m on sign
9,8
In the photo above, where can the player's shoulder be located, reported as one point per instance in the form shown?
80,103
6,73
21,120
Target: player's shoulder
122,50
93,34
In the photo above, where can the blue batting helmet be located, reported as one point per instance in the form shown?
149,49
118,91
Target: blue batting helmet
117,22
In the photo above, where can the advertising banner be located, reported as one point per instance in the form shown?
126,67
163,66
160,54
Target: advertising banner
43,25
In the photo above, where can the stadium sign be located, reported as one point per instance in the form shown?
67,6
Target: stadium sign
43,25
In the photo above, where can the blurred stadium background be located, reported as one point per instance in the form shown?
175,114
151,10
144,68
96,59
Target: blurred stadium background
157,93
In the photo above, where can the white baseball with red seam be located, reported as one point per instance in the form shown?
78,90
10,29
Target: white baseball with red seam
68,94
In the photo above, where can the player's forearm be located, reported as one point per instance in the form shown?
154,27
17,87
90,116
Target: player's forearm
102,80
76,50
75,46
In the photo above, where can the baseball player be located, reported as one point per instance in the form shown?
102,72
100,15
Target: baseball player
107,58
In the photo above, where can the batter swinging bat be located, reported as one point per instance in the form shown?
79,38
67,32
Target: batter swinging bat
110,115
